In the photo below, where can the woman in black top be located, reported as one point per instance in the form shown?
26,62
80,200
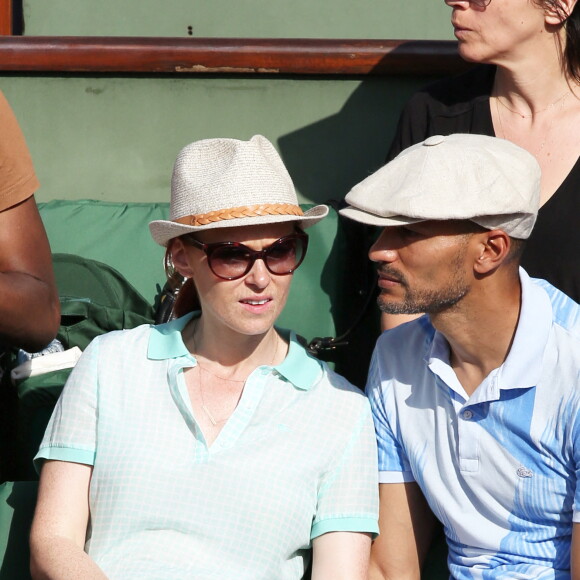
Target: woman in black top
527,91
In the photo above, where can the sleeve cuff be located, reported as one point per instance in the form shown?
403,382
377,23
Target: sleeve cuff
365,524
63,454
395,476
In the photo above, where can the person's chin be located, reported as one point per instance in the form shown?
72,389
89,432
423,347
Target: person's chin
257,321
469,53
389,306
253,329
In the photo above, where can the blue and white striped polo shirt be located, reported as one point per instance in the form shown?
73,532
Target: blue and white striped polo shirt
296,459
499,468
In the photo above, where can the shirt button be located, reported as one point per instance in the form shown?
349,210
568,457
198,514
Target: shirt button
468,414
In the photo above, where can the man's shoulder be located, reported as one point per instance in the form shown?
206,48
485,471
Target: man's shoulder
407,342
565,311
419,328
400,365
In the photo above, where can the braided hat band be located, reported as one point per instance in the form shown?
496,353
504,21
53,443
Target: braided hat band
245,211
213,181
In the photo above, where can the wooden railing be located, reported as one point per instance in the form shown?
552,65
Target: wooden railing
180,56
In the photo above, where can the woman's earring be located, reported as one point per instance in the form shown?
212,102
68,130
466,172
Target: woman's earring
170,292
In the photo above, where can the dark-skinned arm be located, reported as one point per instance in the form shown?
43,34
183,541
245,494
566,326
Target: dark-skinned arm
29,305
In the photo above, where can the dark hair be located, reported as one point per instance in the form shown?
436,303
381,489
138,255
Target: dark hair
571,24
187,300
184,291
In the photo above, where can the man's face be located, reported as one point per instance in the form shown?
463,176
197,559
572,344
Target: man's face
422,267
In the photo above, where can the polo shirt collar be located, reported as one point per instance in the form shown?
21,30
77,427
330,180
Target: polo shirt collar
300,368
523,365
165,340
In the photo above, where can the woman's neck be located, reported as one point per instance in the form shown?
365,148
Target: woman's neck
230,353
539,110
535,81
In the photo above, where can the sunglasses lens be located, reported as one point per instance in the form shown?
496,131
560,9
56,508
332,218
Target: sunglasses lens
285,255
230,261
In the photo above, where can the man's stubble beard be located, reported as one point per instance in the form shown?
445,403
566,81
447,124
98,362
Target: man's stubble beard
426,301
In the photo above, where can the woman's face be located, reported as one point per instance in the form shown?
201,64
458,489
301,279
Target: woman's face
504,31
249,305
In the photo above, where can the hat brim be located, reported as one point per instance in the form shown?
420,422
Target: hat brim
163,230
364,217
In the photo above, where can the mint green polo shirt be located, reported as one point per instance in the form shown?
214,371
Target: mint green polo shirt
296,459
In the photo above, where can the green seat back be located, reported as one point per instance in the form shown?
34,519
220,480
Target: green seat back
109,232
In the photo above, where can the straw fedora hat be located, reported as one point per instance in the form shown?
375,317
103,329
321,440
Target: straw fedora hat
219,183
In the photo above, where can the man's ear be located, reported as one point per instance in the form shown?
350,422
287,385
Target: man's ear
556,15
493,249
180,258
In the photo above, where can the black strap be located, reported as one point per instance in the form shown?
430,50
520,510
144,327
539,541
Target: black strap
359,237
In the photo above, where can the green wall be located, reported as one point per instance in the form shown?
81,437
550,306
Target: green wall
117,138
428,19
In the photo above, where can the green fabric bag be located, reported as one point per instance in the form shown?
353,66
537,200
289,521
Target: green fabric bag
94,299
